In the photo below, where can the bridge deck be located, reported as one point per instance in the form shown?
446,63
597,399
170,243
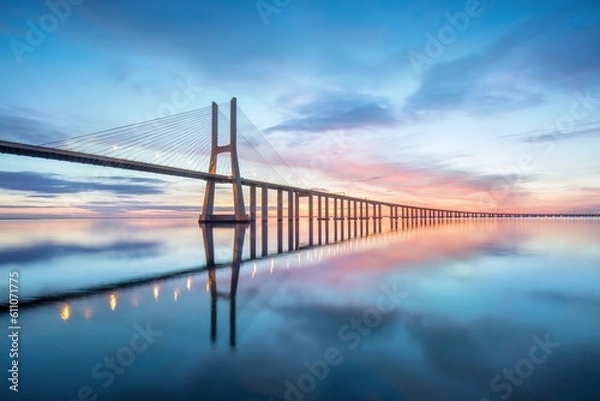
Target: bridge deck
43,152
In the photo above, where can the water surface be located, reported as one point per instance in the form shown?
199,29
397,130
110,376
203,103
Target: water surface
459,311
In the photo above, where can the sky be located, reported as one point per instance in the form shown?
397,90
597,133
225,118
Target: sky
478,105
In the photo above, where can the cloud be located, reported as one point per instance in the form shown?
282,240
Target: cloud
139,180
50,184
28,126
587,130
45,251
426,180
339,110
563,298
511,73
461,85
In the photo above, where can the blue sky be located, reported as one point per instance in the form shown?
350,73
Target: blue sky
488,105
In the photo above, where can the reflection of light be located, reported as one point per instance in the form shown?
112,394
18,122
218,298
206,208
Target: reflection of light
156,292
115,147
188,284
299,260
176,294
272,265
135,301
65,313
207,285
287,264
113,301
254,270
87,313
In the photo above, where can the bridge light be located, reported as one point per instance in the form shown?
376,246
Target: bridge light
65,312
112,301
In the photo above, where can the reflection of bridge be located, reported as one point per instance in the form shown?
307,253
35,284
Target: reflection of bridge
222,277
156,285
171,146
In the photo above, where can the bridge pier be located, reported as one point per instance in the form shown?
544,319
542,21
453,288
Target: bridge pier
341,218
264,216
297,220
319,220
291,219
253,203
310,220
348,219
335,219
367,217
327,220
279,221
355,205
208,213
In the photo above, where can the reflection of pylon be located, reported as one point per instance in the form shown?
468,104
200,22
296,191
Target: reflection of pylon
209,251
208,209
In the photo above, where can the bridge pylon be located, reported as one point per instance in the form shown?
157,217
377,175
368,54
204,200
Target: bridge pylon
208,211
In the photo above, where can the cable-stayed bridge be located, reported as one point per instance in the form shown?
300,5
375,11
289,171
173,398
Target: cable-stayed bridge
189,145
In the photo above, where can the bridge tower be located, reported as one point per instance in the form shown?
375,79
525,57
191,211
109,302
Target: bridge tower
208,211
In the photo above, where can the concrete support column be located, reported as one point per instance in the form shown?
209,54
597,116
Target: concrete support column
342,219
297,222
265,220
279,221
348,219
310,220
291,219
327,220
355,218
367,217
335,220
252,202
319,220
362,218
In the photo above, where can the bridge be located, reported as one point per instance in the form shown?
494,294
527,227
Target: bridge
172,145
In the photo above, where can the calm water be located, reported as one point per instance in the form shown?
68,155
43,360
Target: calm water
498,310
